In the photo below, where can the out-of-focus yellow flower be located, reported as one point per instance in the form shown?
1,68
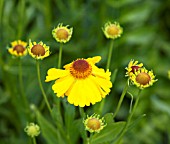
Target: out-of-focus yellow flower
94,123
112,30
32,130
62,34
143,78
169,74
133,66
18,48
81,81
38,50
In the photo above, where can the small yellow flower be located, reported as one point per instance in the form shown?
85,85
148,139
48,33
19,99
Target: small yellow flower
112,30
18,48
32,130
38,50
62,34
81,81
94,123
133,66
143,78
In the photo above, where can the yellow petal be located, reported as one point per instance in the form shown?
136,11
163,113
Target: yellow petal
62,85
54,74
93,91
78,94
84,92
94,60
67,66
76,97
101,73
103,83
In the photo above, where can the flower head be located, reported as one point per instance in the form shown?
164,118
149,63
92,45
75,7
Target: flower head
38,50
81,81
94,123
143,78
62,33
18,48
133,66
32,130
112,30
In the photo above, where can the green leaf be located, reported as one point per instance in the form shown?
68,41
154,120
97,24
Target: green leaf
81,128
69,115
161,105
109,118
109,133
114,75
134,123
49,132
56,114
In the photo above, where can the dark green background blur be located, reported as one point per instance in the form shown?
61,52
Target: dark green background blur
146,38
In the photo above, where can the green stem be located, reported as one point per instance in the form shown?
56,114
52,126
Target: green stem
25,102
129,119
47,14
1,25
21,18
121,99
109,55
1,61
82,114
90,138
59,65
34,140
107,67
41,87
1,10
60,56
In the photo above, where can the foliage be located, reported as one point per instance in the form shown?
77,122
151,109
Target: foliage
145,38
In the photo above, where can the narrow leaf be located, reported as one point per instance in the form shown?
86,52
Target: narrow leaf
109,133
49,132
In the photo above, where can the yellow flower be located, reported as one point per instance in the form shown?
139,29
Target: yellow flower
38,50
132,67
143,78
62,33
32,130
112,30
18,48
94,123
81,81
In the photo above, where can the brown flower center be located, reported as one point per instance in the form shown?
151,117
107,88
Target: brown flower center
93,124
80,69
134,68
19,48
113,30
38,50
62,34
143,78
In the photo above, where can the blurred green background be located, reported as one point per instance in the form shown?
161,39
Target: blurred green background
146,38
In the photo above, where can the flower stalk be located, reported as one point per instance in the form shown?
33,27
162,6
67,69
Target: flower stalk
129,119
82,114
24,99
60,55
121,98
41,87
107,67
34,140
109,55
